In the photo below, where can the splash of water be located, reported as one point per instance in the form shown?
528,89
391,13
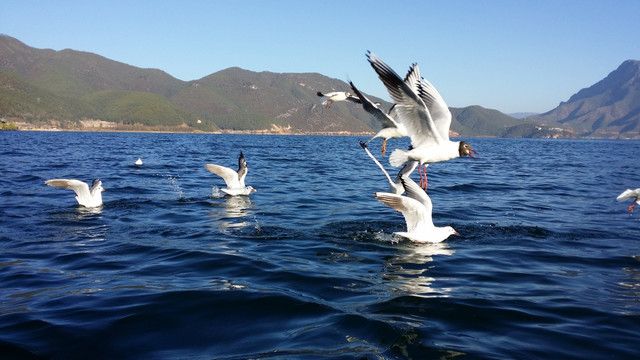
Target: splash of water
216,193
176,187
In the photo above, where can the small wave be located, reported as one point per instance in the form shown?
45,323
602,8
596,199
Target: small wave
493,230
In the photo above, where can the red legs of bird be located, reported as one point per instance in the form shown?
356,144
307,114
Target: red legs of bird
422,170
384,146
424,184
632,206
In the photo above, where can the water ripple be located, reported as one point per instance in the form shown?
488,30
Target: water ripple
547,264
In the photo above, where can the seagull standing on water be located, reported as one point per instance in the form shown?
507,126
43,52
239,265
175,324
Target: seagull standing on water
391,129
233,179
630,194
337,96
423,112
417,209
85,196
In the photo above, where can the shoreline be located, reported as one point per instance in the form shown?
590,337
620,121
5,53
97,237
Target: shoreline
223,132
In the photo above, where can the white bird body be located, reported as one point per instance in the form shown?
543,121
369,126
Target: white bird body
233,179
630,194
334,96
397,132
138,162
423,112
85,196
426,154
417,209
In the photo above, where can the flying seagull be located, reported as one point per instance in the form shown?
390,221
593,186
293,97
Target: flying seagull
423,112
336,96
630,194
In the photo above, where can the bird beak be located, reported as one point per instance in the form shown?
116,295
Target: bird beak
456,233
474,152
254,190
103,189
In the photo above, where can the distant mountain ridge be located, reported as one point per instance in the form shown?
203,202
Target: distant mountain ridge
71,89
42,86
608,109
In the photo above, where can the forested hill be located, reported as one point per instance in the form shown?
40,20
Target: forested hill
71,89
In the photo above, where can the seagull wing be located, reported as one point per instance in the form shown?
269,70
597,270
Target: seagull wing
406,170
437,107
79,187
629,194
373,110
354,99
412,79
411,109
242,169
414,212
366,149
432,99
229,176
414,191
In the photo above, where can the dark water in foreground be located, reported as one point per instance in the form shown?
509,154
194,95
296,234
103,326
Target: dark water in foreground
548,264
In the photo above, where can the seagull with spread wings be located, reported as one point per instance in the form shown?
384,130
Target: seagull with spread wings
87,197
417,209
233,179
423,112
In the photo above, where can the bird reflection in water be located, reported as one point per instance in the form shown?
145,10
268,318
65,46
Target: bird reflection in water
233,212
409,272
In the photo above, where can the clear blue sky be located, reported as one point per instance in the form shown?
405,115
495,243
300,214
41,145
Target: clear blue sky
508,55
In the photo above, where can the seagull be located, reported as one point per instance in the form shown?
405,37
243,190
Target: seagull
138,162
423,112
417,209
337,96
391,129
630,194
396,186
233,179
85,196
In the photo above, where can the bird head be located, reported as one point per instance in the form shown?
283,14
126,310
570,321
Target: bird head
466,150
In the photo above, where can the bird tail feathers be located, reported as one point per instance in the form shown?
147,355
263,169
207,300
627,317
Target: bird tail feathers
398,157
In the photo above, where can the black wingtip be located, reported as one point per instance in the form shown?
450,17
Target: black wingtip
355,89
363,144
319,94
403,181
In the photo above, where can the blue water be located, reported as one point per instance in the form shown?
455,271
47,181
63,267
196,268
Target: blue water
547,265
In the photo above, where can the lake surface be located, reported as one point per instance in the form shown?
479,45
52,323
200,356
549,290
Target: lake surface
547,265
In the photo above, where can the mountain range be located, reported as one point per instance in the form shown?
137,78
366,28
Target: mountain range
608,109
69,89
